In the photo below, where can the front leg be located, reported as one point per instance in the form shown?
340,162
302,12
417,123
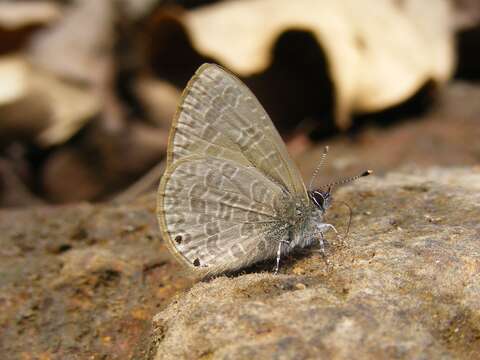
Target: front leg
321,228
325,227
321,241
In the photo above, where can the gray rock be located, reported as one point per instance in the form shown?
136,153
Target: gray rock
405,285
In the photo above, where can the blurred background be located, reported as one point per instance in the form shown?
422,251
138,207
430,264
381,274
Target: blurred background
88,88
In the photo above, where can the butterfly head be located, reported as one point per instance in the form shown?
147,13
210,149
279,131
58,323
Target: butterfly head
321,199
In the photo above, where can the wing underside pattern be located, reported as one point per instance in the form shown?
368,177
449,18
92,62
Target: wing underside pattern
220,117
218,213
223,201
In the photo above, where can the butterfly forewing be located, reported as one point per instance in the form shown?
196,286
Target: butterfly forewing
219,116
229,183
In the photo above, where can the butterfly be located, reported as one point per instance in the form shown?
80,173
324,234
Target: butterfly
231,195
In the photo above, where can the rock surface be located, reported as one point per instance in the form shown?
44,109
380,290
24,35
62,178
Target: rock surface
405,286
82,281
85,281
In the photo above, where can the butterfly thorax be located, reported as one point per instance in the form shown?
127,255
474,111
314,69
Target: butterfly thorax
300,216
305,231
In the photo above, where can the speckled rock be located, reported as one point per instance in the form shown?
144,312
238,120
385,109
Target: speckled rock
405,286
82,281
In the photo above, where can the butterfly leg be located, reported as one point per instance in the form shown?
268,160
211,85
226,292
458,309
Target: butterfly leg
330,226
321,240
321,228
324,227
279,253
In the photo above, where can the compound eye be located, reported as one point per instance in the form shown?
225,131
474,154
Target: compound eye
319,198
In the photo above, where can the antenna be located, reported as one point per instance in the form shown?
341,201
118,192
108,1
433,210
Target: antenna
347,180
317,169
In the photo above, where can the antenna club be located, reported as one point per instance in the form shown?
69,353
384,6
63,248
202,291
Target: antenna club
366,173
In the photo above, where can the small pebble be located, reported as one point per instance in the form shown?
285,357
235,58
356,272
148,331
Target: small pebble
300,286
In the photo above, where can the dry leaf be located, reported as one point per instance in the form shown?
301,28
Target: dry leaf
379,52
159,98
41,106
13,192
15,15
466,13
19,20
79,44
68,175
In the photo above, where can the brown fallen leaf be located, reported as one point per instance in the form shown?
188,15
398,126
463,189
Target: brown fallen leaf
130,151
379,53
159,99
13,192
466,13
15,15
20,19
69,175
77,46
103,163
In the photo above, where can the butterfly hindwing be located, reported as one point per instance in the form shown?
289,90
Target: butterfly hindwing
219,215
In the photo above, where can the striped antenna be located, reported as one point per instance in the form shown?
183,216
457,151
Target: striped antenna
347,180
315,173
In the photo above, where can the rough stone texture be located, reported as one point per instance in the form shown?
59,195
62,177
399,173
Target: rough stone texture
405,286
83,281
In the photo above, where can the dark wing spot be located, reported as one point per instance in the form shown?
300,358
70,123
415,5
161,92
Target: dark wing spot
196,262
178,239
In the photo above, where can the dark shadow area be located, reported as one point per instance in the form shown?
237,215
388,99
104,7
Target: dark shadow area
296,89
15,39
468,54
417,105
77,144
189,4
129,63
286,263
169,51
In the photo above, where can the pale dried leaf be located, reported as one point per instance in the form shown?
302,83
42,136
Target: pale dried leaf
12,73
47,108
72,106
78,46
159,98
379,52
15,15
